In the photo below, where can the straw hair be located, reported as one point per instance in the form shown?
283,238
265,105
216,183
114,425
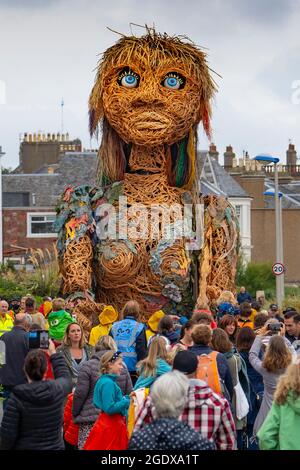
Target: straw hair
288,385
150,57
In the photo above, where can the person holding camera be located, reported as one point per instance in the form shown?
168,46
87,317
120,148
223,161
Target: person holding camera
15,306
276,359
33,417
16,348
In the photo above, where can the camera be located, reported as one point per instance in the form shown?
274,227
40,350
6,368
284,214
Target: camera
15,306
38,339
274,328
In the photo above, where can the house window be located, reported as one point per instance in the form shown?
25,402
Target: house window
40,225
238,211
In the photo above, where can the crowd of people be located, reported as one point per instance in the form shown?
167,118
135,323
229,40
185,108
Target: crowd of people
224,378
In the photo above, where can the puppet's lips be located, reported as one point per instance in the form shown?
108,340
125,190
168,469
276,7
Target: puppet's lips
150,121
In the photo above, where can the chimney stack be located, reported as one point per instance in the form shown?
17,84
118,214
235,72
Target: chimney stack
229,155
213,153
291,155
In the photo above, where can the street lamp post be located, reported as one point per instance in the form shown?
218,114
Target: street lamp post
272,194
1,225
267,159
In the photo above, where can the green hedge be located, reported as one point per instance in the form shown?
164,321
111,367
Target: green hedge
257,276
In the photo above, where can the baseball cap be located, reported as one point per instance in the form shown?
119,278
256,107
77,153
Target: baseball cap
186,362
289,309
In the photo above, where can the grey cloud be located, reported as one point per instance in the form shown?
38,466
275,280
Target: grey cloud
28,4
264,11
279,75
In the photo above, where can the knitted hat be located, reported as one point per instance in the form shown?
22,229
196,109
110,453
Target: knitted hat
186,362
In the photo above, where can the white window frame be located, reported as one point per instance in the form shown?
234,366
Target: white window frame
14,258
38,235
239,208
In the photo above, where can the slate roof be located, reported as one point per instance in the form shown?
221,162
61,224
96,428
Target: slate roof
75,169
290,191
216,180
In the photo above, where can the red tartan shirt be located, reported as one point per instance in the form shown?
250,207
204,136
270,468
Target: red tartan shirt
205,411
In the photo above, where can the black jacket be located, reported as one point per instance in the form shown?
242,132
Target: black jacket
223,368
16,349
33,416
168,434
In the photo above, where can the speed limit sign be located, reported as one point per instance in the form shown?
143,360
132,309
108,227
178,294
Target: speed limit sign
277,269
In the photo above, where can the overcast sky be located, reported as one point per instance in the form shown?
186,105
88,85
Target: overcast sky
49,49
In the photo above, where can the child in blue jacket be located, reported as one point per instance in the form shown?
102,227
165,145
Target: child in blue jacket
110,430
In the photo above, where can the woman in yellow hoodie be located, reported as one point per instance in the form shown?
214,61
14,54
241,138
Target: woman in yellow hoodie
106,318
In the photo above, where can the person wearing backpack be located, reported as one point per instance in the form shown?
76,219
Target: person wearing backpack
212,366
206,412
238,371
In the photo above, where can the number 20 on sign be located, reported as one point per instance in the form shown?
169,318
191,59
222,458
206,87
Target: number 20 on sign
277,269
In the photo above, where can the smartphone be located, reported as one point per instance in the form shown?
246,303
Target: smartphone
39,339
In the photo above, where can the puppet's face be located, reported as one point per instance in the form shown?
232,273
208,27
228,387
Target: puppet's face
151,103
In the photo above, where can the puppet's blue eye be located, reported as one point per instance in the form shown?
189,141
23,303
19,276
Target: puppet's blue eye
128,78
129,81
173,81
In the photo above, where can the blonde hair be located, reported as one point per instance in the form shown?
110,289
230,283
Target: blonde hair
67,341
58,304
157,350
172,353
226,296
106,360
105,343
289,383
277,355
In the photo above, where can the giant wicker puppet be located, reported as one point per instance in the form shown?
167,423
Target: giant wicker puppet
150,94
